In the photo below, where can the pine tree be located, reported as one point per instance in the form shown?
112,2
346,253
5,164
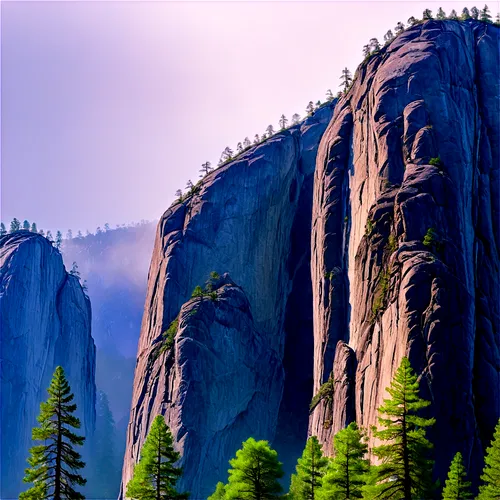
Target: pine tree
405,468
26,225
346,78
219,493
374,44
178,194
155,475
412,21
15,225
329,96
457,487
400,27
465,14
55,464
246,143
69,234
389,36
205,169
485,15
58,239
254,472
295,119
453,15
79,234
74,270
474,12
441,14
34,229
346,474
2,229
256,139
239,148
311,468
310,108
366,51
283,122
189,184
427,14
491,472
270,130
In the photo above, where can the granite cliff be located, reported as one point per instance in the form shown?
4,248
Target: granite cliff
45,322
351,240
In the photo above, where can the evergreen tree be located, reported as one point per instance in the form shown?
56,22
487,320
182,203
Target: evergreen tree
49,236
400,27
441,14
189,185
98,230
485,15
366,51
219,493
412,21
491,472
106,226
239,148
246,143
427,14
15,225
318,104
34,228
329,96
58,239
2,229
346,474
374,44
254,472
310,470
178,193
465,14
155,475
497,19
26,225
206,168
69,234
283,122
389,36
106,464
405,470
457,487
74,270
256,139
474,12
79,234
41,232
310,108
453,15
346,78
55,464
295,119
226,155
270,130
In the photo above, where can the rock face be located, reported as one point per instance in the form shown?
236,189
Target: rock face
382,242
250,219
405,241
45,322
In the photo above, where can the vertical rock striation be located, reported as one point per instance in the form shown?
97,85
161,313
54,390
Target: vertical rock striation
45,321
405,242
246,218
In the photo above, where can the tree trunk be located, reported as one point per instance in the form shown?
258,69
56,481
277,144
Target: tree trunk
57,478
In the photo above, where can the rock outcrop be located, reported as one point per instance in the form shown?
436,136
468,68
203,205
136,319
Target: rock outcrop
251,219
405,242
393,250
45,322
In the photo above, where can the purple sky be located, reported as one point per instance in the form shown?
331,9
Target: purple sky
109,107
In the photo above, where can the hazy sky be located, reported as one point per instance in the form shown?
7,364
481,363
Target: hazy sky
108,107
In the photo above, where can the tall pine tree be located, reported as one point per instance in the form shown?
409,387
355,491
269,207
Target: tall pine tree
156,474
311,468
457,487
346,474
405,470
254,473
55,464
491,473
